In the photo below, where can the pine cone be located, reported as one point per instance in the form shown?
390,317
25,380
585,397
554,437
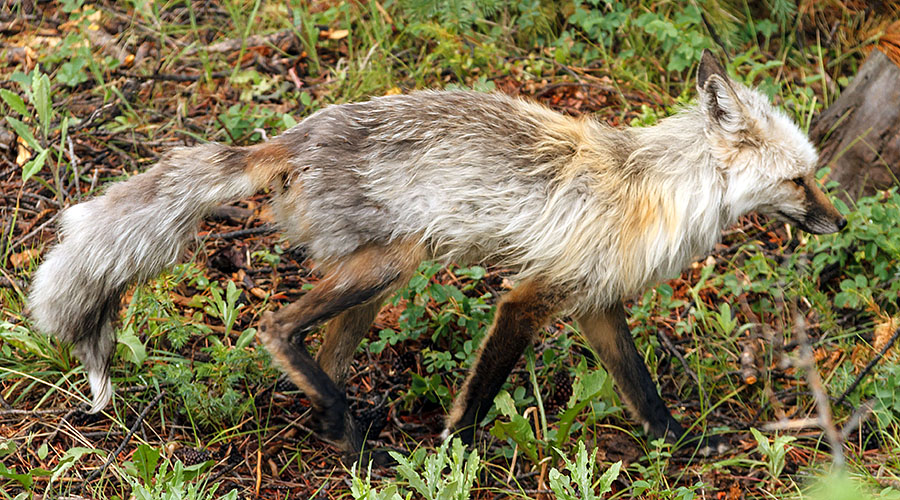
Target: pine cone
562,391
372,420
190,456
284,384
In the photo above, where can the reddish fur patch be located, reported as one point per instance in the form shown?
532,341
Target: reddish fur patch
267,161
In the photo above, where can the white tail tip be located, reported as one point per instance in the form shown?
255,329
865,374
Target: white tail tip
101,390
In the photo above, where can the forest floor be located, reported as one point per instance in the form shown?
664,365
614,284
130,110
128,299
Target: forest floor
97,92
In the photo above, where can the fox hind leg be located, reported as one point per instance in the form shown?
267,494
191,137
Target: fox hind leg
520,315
354,285
342,336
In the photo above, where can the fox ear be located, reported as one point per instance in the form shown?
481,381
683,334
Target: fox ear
709,66
716,93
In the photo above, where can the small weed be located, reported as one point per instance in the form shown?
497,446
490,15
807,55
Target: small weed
773,451
581,473
176,483
447,473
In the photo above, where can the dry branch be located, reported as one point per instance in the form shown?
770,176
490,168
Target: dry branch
807,361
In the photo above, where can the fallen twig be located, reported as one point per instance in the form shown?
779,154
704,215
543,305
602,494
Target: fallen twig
251,41
24,239
240,233
859,416
869,366
167,77
51,411
131,431
793,424
808,362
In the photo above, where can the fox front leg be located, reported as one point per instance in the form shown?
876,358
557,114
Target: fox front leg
609,336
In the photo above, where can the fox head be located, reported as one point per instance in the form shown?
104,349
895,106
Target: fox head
768,164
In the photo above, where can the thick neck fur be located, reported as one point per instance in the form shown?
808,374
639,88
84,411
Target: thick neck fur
649,217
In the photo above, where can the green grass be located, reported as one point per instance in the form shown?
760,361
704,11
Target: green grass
558,428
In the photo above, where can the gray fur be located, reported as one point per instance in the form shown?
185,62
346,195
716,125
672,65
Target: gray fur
136,230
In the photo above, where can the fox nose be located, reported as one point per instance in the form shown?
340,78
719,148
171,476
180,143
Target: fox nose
841,223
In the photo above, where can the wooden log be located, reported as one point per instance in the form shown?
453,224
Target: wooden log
859,134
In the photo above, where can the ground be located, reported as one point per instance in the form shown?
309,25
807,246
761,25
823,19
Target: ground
96,92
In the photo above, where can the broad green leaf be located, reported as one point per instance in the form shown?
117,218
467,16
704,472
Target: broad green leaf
24,132
40,87
7,447
24,340
245,338
145,459
608,477
72,73
135,350
24,479
14,101
504,402
69,458
34,166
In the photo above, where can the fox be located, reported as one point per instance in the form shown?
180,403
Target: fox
585,216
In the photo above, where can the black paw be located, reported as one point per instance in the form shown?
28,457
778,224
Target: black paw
465,434
704,446
377,458
332,424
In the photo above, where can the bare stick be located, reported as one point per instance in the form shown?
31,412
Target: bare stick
858,418
792,424
808,362
134,428
670,346
240,233
869,366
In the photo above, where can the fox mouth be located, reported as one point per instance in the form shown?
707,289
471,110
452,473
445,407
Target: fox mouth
790,219
813,225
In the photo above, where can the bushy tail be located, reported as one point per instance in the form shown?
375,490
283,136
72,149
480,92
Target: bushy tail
130,234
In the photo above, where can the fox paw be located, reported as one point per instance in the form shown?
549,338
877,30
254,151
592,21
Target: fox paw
376,458
704,446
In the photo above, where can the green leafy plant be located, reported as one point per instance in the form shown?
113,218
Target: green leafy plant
868,253
448,473
225,308
149,482
887,396
38,93
361,488
243,122
581,473
681,38
26,479
517,429
592,388
456,317
218,392
774,451
655,480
